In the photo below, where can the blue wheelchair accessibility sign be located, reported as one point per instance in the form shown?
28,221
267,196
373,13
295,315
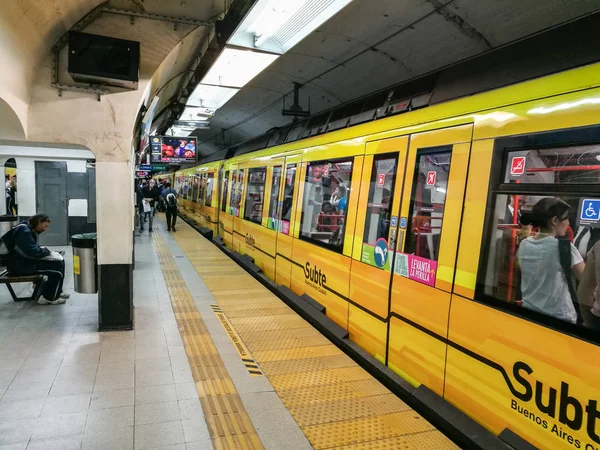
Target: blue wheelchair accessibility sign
589,212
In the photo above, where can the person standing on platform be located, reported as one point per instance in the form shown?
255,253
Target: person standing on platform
14,207
170,197
150,195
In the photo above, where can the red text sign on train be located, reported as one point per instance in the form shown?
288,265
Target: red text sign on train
380,180
517,165
431,176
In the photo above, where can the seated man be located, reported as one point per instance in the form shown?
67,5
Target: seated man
26,257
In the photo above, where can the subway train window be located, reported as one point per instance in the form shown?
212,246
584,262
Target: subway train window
569,165
195,187
325,202
273,202
428,199
225,192
236,192
201,186
255,195
288,199
543,248
210,178
377,225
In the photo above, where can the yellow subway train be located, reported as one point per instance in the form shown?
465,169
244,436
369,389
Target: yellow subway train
407,230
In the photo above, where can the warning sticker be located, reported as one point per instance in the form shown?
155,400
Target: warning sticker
76,265
517,165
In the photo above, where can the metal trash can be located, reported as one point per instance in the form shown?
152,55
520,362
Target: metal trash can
6,223
84,263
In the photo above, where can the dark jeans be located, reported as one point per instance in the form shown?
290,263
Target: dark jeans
55,271
171,216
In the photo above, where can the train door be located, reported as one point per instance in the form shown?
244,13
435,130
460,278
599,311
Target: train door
373,247
283,222
424,264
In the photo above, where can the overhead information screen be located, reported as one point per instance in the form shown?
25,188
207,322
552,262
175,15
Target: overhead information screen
173,150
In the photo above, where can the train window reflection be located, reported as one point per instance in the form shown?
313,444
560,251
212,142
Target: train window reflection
273,202
225,192
288,200
377,225
255,194
324,209
428,199
570,165
236,192
541,260
210,177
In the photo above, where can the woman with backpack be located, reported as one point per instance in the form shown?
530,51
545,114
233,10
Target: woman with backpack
548,261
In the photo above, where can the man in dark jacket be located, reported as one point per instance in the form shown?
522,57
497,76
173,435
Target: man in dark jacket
170,197
150,194
26,257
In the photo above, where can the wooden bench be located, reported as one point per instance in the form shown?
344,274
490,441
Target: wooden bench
8,280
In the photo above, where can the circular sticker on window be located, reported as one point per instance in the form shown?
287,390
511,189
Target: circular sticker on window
381,252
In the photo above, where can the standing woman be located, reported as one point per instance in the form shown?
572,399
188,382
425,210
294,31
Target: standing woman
544,283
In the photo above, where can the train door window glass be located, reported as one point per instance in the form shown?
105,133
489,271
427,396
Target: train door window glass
236,192
255,194
326,191
288,199
195,182
210,178
377,226
428,198
273,202
225,192
567,165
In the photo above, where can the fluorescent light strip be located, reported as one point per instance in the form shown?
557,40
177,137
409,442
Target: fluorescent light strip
212,97
235,67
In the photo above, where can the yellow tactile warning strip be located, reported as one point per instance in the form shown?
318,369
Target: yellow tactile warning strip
237,342
228,422
337,404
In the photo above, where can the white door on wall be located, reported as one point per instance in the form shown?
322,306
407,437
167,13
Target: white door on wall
51,199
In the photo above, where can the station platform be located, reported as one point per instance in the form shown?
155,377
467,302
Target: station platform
216,361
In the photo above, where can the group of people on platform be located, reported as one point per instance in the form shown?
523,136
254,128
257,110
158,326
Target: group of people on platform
556,271
153,195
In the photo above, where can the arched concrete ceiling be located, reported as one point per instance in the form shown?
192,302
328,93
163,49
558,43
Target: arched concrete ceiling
30,28
374,44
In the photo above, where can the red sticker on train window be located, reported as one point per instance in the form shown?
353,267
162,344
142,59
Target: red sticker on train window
431,176
517,165
380,180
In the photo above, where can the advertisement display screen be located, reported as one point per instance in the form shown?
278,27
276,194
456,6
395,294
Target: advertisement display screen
169,149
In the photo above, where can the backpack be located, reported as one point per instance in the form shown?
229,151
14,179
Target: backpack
171,200
564,254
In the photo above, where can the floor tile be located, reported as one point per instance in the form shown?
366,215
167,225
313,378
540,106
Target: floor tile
156,413
26,391
119,439
158,435
21,409
143,379
61,443
155,394
186,391
59,425
7,376
71,387
110,418
152,365
199,445
67,404
16,446
113,382
190,409
112,399
195,430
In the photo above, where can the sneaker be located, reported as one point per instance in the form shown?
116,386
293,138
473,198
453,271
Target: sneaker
174,230
58,301
169,229
141,230
149,230
38,288
64,295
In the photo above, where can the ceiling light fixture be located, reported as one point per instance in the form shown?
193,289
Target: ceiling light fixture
235,67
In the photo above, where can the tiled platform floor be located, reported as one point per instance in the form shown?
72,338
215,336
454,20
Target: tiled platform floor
64,385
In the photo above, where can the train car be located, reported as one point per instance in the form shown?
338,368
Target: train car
197,191
406,229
